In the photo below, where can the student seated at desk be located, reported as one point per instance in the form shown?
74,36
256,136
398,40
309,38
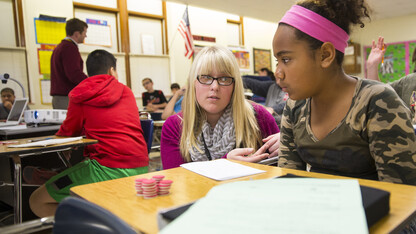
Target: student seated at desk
7,100
217,121
335,123
152,99
175,104
103,109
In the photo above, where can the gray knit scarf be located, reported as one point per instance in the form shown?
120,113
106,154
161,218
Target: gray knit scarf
219,140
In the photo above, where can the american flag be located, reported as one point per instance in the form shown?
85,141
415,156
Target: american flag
185,31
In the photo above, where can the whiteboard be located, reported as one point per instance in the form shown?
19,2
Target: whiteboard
141,26
103,3
98,35
111,19
153,7
155,67
7,29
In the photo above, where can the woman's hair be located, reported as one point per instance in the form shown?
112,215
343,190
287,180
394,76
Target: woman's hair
343,13
220,60
269,73
414,56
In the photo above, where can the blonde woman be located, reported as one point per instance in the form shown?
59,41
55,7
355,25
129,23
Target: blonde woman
217,121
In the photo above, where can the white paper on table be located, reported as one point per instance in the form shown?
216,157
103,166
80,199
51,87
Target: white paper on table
291,205
46,142
221,169
15,127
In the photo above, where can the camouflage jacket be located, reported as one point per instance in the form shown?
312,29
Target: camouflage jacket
375,140
405,87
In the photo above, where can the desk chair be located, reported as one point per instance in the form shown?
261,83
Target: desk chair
147,127
74,215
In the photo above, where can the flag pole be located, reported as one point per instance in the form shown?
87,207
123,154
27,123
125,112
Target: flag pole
173,39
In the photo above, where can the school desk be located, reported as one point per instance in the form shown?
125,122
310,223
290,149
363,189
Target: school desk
30,131
118,196
17,153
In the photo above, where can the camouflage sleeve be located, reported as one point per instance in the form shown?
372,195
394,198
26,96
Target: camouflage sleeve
397,86
288,156
391,136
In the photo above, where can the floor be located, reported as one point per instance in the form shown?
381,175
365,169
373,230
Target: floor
154,161
6,212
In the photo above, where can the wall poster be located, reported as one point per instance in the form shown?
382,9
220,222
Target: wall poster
262,59
397,60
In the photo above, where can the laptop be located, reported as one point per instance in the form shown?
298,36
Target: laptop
16,113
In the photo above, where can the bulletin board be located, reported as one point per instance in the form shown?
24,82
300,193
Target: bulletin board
243,58
262,59
49,31
397,60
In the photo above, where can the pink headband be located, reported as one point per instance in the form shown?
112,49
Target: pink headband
316,26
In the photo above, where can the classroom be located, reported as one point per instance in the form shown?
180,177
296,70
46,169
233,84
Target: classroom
143,36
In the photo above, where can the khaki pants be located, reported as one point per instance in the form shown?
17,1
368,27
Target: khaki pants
60,102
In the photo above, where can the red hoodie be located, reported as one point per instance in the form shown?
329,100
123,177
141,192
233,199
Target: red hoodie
104,109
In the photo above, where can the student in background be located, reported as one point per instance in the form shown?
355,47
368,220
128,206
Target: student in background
67,64
217,121
103,109
152,99
266,72
174,88
260,85
405,87
7,100
175,104
335,123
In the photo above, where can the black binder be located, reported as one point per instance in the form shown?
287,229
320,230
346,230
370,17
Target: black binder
376,204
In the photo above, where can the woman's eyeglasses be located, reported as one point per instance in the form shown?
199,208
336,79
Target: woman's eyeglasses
207,80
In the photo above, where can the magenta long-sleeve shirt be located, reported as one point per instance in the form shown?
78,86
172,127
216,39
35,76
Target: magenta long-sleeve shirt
172,130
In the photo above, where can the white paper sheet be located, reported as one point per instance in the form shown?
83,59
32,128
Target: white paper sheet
276,206
221,169
15,127
46,142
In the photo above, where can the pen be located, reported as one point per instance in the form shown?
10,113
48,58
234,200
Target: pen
36,140
382,59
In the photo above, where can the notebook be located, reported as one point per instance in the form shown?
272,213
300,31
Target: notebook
376,203
16,113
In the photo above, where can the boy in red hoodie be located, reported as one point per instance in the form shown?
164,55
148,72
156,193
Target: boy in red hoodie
104,109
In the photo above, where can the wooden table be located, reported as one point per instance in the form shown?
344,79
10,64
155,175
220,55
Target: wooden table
17,153
118,196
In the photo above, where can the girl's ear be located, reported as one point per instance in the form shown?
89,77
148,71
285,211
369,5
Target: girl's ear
328,53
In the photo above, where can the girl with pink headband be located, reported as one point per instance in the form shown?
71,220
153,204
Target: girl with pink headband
333,122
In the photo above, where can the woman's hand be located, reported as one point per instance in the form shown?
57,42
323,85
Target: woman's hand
272,143
241,154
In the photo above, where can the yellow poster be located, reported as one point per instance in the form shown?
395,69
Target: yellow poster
44,61
49,32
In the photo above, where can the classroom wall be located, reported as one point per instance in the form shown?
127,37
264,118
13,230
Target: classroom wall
32,9
259,34
205,22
